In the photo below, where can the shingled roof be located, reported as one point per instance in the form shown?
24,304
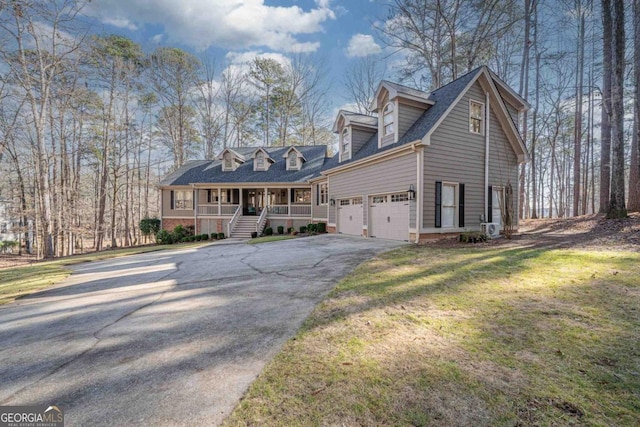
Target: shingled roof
210,171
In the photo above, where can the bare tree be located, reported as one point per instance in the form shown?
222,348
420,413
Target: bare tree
605,126
361,81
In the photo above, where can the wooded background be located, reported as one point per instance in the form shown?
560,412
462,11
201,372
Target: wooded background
89,123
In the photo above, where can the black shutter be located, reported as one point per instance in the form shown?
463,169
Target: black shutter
318,195
229,196
438,204
208,196
172,201
460,205
490,204
293,195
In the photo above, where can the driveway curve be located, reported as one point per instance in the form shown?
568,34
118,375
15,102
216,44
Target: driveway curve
167,338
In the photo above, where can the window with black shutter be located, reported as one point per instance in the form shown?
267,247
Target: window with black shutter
490,204
438,212
460,205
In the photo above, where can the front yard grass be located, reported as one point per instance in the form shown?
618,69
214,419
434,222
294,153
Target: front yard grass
424,336
17,282
266,239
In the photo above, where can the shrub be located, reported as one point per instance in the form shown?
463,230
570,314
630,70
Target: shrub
6,246
149,226
179,232
220,236
163,237
198,238
473,237
214,236
280,229
321,227
312,228
254,234
290,230
185,239
268,231
205,236
303,229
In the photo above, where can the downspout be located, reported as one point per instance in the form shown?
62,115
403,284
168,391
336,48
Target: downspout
419,195
486,156
195,209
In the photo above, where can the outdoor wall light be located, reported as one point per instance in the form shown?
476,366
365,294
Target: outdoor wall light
332,201
411,192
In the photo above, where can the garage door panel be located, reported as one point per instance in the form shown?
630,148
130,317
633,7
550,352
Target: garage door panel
350,217
389,217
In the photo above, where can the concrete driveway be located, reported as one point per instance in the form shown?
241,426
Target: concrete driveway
167,338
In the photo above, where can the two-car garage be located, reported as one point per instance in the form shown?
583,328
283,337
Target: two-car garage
388,216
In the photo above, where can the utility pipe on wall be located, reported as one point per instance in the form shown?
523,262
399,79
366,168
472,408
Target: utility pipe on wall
487,117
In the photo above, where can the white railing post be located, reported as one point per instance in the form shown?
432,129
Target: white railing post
261,221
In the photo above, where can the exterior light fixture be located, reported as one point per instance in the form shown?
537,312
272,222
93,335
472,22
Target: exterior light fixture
332,201
411,192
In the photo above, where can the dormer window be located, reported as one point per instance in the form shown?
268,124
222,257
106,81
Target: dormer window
346,142
260,160
293,158
230,160
387,119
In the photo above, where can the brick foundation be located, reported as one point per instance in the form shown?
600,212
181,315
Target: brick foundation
170,223
331,229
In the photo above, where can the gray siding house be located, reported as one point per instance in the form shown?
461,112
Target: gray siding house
428,164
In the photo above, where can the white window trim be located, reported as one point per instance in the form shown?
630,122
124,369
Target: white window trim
482,117
456,204
500,206
324,195
345,149
391,114
182,199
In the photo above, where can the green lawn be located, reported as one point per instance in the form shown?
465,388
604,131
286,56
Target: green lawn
20,281
423,336
266,239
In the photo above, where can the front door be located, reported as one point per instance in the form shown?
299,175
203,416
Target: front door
253,200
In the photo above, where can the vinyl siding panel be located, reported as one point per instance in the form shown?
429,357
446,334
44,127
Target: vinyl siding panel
394,175
513,113
407,116
457,155
358,138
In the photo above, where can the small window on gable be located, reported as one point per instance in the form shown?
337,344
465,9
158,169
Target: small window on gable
387,119
346,141
260,160
476,117
292,159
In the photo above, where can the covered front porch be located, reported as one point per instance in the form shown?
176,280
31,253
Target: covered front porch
278,201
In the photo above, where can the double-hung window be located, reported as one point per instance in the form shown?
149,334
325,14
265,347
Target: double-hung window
476,117
387,119
183,200
260,160
323,190
449,206
346,141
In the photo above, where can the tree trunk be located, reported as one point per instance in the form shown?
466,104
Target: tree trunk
577,131
634,172
617,207
605,127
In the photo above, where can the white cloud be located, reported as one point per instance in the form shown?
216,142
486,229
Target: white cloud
362,45
157,38
231,24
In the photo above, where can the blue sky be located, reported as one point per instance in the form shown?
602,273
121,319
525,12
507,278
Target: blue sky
236,30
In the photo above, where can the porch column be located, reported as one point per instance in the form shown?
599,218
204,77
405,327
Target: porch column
219,201
195,209
289,201
266,198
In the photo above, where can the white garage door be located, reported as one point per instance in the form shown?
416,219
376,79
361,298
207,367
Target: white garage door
350,216
389,216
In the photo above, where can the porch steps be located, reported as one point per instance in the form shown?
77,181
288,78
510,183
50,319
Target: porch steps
244,227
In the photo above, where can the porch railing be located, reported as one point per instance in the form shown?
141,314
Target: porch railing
262,220
232,224
283,210
224,210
